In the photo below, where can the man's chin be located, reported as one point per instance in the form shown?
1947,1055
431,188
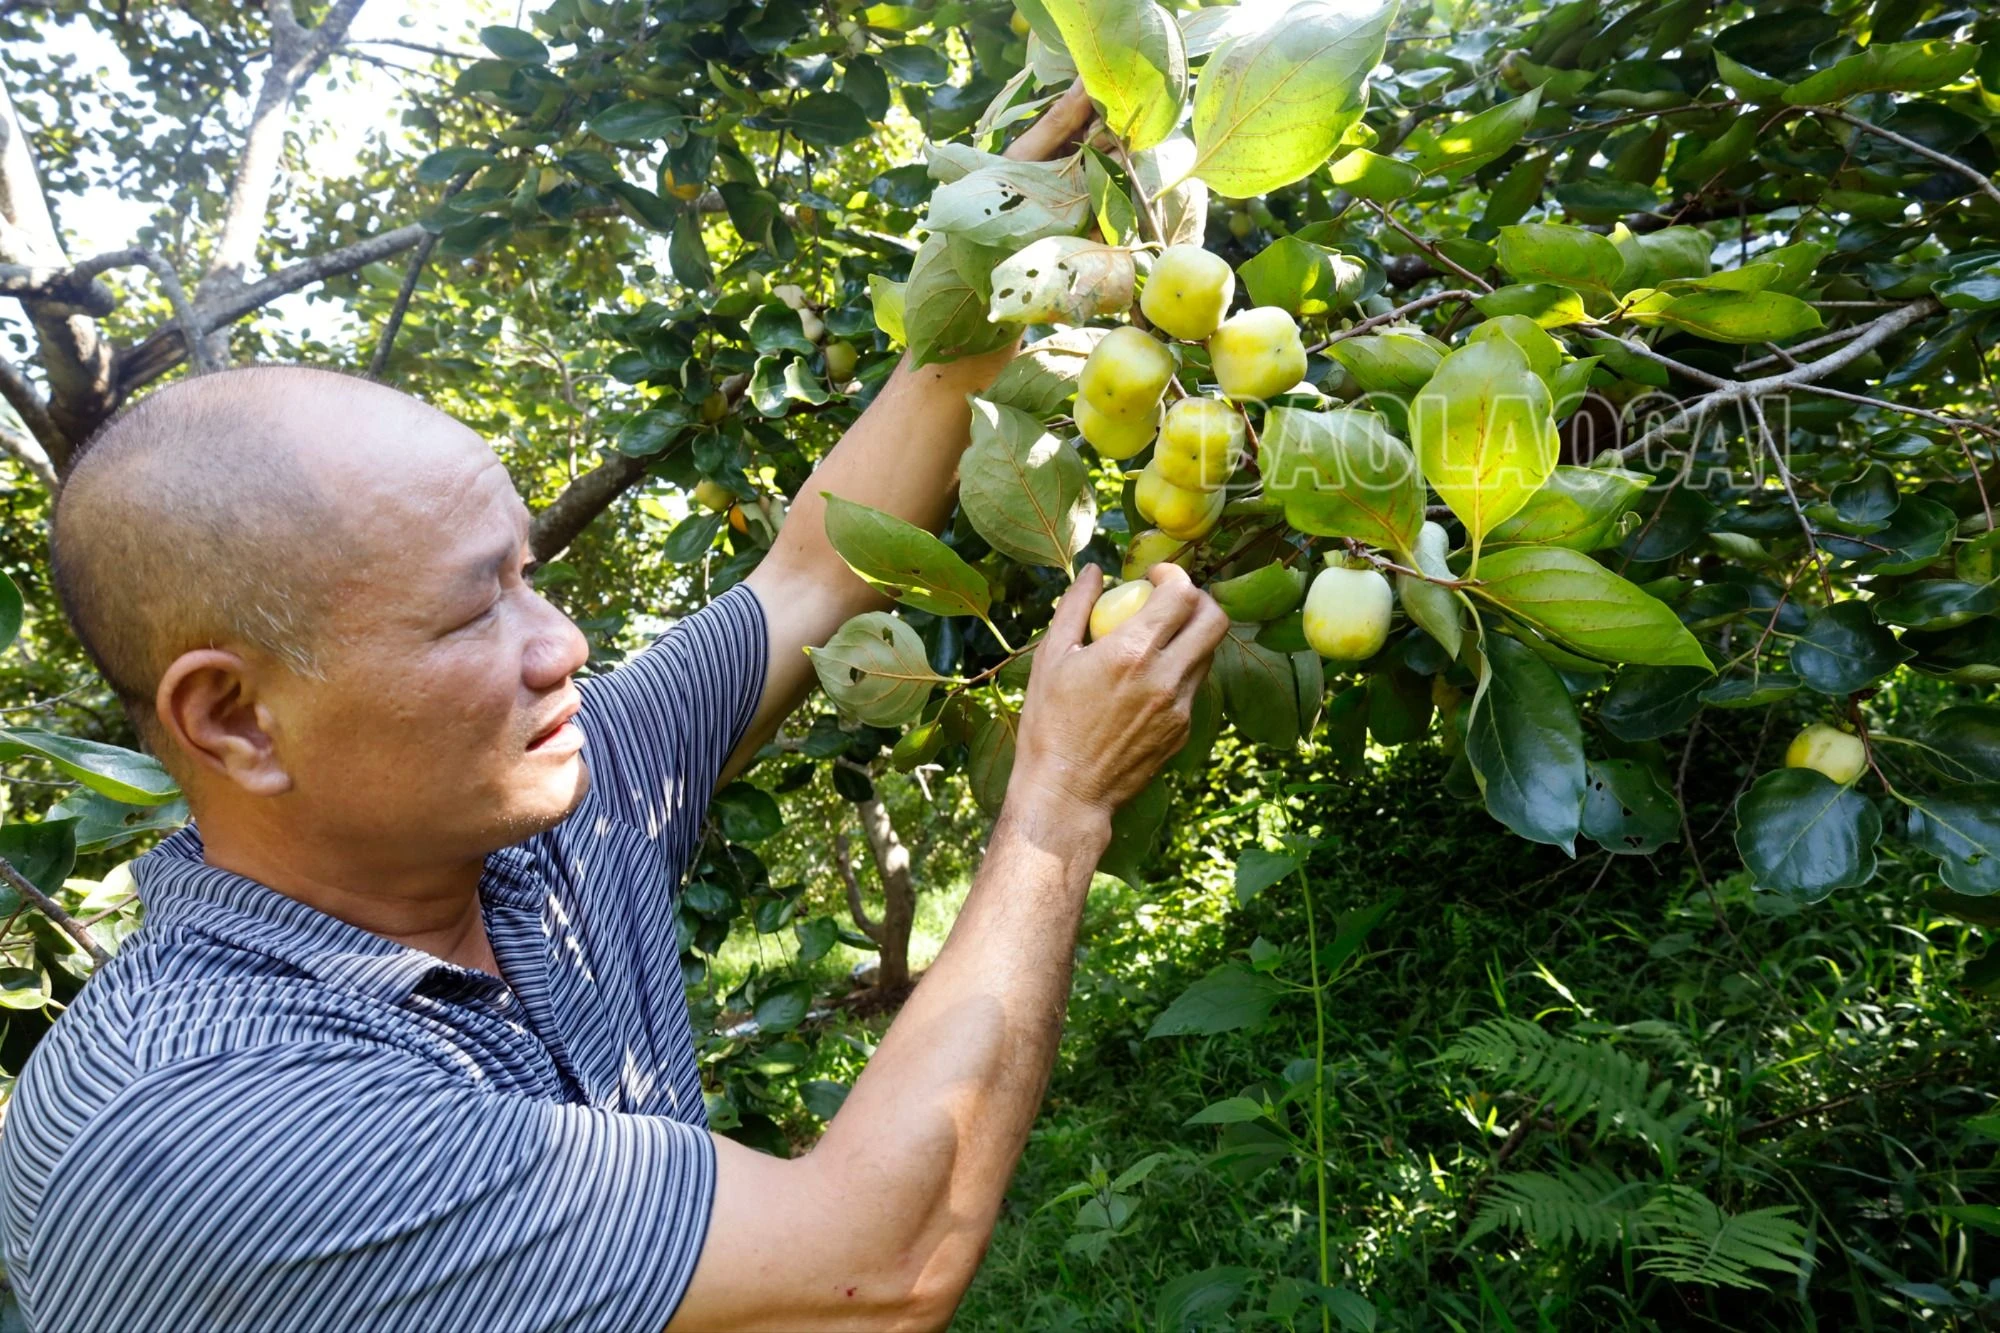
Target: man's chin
551,798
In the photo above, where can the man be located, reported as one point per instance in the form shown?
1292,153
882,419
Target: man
402,1043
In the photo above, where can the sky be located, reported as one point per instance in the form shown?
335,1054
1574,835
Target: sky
346,111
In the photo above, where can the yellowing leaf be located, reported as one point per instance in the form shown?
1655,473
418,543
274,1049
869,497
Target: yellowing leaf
1063,280
1273,104
1485,433
1133,63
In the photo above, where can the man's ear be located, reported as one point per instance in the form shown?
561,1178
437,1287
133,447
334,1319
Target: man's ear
208,705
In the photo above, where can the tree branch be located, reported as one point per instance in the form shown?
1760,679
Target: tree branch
28,405
49,908
1403,311
164,348
1949,163
34,282
296,53
843,865
1878,332
29,455
184,313
557,525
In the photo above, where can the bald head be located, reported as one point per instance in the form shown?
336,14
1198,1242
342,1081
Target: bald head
221,512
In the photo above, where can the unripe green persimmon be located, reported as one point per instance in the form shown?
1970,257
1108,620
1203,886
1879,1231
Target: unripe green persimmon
713,496
1258,354
1148,548
714,407
1126,373
1116,436
1118,605
1201,443
1347,613
1188,292
1828,751
840,360
1175,510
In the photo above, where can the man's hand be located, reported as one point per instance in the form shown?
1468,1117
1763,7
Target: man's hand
1058,130
1101,720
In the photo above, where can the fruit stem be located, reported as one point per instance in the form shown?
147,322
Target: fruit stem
1319,1088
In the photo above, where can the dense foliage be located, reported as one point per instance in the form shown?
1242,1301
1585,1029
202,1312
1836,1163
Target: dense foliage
1571,404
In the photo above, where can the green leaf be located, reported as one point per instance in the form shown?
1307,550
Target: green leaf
1887,67
1258,869
1654,258
447,163
1302,278
1228,1111
1195,1300
776,327
637,123
1042,376
1735,317
687,252
1963,742
123,775
23,988
1025,491
1485,434
1229,998
1259,693
1342,474
44,853
1264,593
1432,605
1134,831
1477,140
1117,219
875,668
11,611
1272,105
692,537
522,48
1393,363
102,823
1843,649
1961,827
817,936
990,757
1578,507
1801,833
904,561
1937,603
746,813
651,431
1526,746
916,64
886,297
1543,252
1647,702
1576,601
826,119
1628,808
783,1009
1132,61
1371,176
1550,305
944,303
1009,204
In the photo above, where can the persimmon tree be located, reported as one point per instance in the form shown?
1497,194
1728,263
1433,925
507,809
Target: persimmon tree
1525,380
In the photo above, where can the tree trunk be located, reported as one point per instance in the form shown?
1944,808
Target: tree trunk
899,893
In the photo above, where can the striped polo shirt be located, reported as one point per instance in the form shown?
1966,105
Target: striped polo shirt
257,1116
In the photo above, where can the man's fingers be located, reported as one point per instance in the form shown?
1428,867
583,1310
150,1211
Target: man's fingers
1173,600
1062,122
1199,636
1072,617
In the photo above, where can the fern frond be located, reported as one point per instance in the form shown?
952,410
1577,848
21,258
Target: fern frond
1695,1241
1583,1206
1574,1078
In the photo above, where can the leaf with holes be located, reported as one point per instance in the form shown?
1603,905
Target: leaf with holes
1628,807
1062,280
1013,203
1025,491
875,668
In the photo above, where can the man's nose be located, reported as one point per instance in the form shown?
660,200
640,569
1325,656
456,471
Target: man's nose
557,651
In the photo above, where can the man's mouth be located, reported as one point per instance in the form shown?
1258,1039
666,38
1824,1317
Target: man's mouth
562,732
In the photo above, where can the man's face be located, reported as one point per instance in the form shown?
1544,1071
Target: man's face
440,730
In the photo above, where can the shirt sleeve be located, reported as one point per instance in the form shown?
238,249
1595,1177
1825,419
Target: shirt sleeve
324,1186
658,729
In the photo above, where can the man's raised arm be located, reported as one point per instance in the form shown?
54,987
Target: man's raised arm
900,457
883,1224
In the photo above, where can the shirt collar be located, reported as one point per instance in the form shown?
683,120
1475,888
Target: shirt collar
178,887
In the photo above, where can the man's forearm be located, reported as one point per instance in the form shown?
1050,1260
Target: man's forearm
958,1079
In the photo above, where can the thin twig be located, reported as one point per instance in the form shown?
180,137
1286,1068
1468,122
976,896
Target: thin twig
22,885
1403,311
